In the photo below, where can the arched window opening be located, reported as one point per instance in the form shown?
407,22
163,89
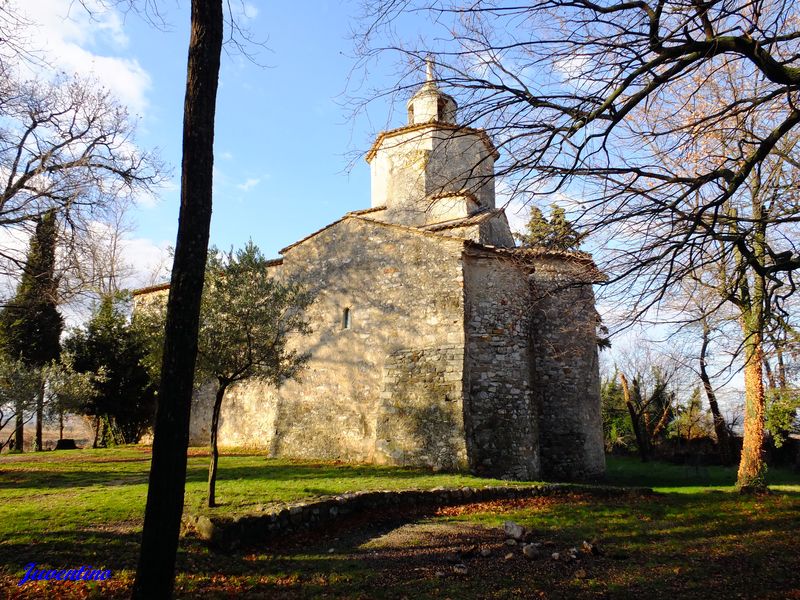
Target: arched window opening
440,106
346,318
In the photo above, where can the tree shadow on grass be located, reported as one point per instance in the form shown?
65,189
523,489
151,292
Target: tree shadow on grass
295,472
47,479
112,550
706,558
688,546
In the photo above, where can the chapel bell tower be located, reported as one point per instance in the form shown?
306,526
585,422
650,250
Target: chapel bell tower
432,170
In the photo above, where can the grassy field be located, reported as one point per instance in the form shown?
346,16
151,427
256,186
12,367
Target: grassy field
69,509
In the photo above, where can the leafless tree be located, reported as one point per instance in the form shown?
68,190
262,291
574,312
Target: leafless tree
68,145
93,258
65,144
573,92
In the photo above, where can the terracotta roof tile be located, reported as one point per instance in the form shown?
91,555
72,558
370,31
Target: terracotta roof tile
150,289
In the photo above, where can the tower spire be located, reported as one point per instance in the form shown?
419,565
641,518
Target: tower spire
429,104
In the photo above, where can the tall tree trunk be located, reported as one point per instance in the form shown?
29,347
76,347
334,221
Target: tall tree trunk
39,415
751,467
19,428
212,467
720,428
771,385
781,366
96,431
637,429
155,574
61,424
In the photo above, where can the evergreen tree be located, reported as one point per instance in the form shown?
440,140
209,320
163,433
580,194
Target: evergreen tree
30,325
563,235
557,233
246,320
538,230
109,347
617,429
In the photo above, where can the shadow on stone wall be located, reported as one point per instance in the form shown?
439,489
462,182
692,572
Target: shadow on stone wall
402,291
420,415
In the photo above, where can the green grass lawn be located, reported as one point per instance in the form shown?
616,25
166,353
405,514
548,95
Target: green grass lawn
67,509
72,506
665,477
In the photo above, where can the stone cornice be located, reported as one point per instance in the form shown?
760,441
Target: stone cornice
582,260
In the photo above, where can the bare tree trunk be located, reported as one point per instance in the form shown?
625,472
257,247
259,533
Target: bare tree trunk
155,574
39,415
61,424
720,428
662,423
96,431
212,467
771,385
19,428
640,443
751,467
781,366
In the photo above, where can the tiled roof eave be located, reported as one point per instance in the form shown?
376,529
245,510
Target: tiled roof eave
432,125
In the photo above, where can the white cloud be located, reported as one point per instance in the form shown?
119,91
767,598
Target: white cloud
150,261
142,262
243,11
70,40
249,184
516,209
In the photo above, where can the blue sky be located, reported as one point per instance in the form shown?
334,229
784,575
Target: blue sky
281,135
284,136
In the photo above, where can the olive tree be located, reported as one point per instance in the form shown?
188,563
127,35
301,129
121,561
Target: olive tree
246,321
251,325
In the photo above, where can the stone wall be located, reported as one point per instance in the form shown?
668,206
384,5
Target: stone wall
421,415
225,532
565,371
499,414
452,355
404,294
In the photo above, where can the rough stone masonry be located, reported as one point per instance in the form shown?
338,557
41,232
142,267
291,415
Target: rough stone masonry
435,341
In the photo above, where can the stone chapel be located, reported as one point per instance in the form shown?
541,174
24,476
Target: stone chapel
436,341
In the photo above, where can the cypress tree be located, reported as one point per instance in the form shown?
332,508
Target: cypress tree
30,325
538,230
563,235
557,233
